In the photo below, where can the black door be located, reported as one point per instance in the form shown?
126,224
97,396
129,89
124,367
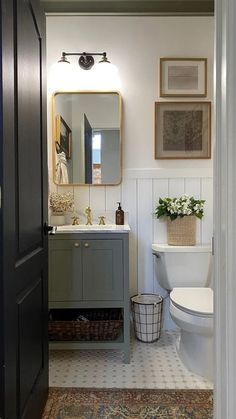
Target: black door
23,180
88,133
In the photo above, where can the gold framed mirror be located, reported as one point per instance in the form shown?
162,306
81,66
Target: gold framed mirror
86,138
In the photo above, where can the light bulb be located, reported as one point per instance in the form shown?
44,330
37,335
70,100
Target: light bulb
107,76
61,76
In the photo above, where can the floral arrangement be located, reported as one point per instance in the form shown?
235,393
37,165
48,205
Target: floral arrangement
61,202
180,207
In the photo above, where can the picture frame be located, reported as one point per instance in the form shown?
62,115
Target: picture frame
63,136
183,77
183,130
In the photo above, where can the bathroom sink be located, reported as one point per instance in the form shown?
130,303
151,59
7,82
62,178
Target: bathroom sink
92,228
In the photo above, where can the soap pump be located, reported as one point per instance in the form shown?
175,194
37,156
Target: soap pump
119,215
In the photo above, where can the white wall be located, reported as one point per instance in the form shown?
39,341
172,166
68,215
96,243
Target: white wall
135,45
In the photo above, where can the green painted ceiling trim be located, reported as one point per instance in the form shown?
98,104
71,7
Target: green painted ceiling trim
155,7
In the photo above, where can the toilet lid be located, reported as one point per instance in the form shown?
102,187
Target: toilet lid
196,300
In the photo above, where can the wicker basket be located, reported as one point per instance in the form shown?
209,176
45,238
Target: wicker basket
102,324
182,231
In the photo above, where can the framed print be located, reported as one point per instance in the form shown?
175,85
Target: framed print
182,130
183,77
63,136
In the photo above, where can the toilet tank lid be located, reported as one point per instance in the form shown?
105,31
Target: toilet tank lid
206,248
198,300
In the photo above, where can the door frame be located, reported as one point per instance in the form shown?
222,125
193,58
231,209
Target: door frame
225,209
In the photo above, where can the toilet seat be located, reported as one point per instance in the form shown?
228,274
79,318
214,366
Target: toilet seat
195,301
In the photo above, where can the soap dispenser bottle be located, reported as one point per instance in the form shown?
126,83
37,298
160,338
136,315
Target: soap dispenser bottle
119,215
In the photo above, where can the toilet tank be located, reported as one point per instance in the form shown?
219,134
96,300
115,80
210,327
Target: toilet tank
183,266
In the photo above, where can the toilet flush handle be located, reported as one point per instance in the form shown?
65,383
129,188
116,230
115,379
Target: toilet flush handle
157,255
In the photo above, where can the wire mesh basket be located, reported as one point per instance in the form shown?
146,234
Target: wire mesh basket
147,316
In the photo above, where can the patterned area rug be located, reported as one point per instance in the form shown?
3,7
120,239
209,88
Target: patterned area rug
75,403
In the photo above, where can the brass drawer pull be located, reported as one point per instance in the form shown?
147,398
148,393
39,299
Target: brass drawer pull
76,244
86,245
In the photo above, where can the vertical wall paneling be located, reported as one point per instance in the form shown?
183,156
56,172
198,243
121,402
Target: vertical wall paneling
63,190
207,221
176,187
97,198
145,217
160,190
81,198
113,195
193,188
129,199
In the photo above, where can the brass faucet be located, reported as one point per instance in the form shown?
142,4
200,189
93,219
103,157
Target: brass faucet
102,220
75,221
88,213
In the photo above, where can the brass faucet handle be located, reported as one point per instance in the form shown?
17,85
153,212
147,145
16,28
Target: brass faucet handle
88,210
88,213
75,220
102,220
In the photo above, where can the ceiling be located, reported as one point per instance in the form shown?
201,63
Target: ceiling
133,7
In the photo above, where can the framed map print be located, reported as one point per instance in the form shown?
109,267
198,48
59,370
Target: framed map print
182,130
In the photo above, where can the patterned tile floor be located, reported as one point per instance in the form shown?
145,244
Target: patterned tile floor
153,365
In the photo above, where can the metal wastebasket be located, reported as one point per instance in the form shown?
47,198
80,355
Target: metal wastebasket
147,316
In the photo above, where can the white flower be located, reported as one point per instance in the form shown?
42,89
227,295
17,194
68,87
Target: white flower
182,206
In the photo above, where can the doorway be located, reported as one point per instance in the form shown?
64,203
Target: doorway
141,187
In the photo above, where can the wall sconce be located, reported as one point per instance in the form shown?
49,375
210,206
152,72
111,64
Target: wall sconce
86,60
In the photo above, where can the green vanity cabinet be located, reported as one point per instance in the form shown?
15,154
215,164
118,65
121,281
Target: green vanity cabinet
102,270
90,270
65,270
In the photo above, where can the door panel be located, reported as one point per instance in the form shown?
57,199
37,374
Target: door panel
23,177
30,340
88,150
103,277
29,168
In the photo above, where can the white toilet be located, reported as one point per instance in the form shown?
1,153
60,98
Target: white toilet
185,271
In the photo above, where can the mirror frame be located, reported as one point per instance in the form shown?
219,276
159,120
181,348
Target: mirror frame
54,130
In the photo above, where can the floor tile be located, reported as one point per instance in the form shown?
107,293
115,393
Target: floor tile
153,365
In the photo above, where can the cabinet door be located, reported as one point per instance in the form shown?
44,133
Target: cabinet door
65,270
102,270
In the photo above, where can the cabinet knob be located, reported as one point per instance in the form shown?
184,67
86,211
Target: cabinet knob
86,245
76,244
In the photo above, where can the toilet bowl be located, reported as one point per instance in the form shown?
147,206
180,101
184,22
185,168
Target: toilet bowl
192,310
185,272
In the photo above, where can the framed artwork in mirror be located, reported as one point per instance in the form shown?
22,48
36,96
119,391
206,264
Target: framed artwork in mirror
183,77
63,136
182,130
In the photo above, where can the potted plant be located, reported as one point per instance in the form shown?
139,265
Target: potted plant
181,214
60,204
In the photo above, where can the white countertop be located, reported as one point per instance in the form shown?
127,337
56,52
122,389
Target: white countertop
82,228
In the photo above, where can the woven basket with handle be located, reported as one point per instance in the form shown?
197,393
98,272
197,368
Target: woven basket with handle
101,324
182,231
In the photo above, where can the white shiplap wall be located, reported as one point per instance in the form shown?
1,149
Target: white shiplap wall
139,194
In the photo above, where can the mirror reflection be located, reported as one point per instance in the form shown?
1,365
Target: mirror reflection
86,138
